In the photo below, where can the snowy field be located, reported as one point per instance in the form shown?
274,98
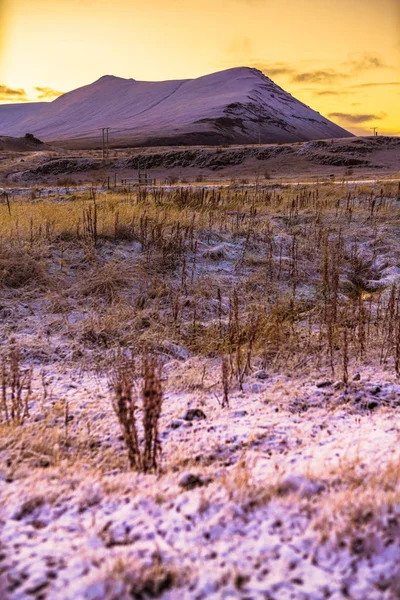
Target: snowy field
275,314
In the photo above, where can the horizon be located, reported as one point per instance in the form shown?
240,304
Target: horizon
355,87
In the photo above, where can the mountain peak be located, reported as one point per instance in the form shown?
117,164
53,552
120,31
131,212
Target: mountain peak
110,78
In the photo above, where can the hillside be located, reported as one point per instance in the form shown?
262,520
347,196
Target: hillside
239,105
27,143
12,115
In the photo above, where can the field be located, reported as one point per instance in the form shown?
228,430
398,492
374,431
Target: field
199,390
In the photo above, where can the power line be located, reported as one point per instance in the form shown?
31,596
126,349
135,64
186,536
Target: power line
105,148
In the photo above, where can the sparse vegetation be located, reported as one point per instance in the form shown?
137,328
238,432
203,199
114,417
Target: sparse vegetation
307,261
271,310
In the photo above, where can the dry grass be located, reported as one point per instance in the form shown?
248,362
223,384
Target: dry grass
218,284
361,501
18,269
107,281
301,283
297,266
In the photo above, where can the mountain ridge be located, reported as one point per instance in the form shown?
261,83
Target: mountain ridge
238,105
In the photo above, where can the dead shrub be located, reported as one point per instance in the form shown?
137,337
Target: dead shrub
143,456
15,387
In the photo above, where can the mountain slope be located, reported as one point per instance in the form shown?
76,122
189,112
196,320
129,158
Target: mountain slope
12,115
239,105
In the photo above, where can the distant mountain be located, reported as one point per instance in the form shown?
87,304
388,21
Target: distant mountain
236,106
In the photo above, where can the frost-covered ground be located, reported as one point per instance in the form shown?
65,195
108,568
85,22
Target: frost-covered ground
291,492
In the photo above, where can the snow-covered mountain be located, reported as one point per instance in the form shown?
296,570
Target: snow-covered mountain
11,115
239,105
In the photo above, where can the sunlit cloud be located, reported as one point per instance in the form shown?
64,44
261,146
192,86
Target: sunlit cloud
372,84
12,95
273,69
356,118
356,64
327,92
365,62
319,76
46,93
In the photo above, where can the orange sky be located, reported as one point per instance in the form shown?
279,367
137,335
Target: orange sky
342,57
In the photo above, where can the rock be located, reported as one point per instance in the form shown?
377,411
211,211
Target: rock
176,423
299,484
323,384
188,481
193,414
261,375
357,377
373,404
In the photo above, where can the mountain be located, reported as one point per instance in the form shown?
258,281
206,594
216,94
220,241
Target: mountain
239,105
11,115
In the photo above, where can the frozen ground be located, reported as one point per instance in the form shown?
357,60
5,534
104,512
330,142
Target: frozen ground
290,492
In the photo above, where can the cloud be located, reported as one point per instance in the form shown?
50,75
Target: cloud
274,69
319,76
328,92
375,84
365,62
45,93
360,118
10,94
356,64
271,69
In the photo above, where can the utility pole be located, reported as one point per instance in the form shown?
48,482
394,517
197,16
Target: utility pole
104,132
375,130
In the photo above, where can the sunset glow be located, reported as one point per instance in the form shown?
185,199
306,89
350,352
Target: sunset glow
340,57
